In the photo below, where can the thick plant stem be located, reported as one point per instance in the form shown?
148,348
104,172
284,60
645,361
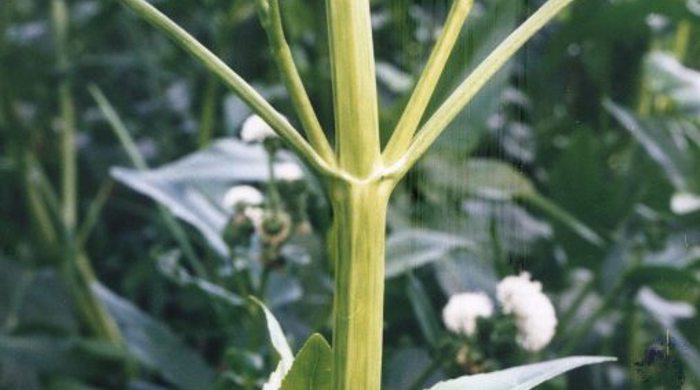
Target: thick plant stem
354,86
358,251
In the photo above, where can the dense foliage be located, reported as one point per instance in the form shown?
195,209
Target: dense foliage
578,164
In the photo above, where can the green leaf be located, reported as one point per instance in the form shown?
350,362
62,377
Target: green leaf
423,310
519,378
72,356
499,181
312,367
660,142
410,249
155,345
193,187
169,265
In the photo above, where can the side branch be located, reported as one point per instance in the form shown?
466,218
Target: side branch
271,19
246,92
454,104
423,92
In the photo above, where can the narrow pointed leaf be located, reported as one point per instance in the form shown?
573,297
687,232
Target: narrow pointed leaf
519,378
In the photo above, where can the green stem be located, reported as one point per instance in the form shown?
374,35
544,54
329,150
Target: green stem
271,19
237,84
358,252
415,109
207,118
354,86
68,151
454,104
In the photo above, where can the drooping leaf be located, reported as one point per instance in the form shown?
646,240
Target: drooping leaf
410,249
193,187
499,181
154,345
520,378
312,368
169,266
673,155
281,346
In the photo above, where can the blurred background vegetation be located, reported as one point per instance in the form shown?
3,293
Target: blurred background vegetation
579,163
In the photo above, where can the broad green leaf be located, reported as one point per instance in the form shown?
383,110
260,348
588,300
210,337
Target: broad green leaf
520,378
65,355
312,367
279,343
154,345
410,249
499,181
170,266
193,187
656,136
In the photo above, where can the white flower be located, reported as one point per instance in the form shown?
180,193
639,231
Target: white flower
288,171
685,203
462,310
534,313
242,195
255,129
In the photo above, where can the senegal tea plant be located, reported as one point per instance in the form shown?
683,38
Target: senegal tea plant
359,175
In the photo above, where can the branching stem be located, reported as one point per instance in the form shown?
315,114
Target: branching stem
271,19
244,90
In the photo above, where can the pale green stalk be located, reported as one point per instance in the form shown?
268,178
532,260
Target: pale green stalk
68,152
271,19
361,183
244,90
415,109
354,86
359,212
456,102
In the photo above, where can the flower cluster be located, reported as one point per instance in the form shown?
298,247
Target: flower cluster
462,310
269,216
519,298
533,311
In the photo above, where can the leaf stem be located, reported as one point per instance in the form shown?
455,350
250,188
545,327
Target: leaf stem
237,84
59,11
454,104
271,19
415,109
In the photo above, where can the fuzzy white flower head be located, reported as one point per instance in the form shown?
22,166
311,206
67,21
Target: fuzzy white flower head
534,313
255,129
242,195
685,203
462,310
288,171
